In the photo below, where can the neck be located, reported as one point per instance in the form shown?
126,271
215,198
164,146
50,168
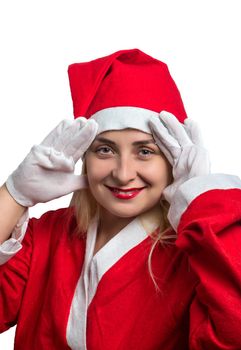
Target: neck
110,224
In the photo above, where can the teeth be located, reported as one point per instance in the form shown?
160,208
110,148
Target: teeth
121,192
118,191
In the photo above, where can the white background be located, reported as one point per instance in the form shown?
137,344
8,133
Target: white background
199,40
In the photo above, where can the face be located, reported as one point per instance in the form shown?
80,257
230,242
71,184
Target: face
126,172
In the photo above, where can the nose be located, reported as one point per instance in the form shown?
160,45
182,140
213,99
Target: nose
124,171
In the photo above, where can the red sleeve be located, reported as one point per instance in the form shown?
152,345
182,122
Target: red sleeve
210,233
13,279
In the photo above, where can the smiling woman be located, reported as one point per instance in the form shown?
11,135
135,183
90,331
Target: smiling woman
126,173
126,176
145,209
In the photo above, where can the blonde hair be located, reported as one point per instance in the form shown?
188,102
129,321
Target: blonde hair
86,207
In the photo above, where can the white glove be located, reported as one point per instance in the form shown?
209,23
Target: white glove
47,172
182,146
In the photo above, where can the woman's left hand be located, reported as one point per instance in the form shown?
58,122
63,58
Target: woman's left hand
182,145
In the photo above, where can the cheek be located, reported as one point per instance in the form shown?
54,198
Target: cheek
158,172
97,170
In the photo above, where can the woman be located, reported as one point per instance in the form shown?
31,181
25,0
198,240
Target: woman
147,256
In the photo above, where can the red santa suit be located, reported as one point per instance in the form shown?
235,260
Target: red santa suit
62,297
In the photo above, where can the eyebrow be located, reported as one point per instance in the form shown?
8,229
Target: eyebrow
136,143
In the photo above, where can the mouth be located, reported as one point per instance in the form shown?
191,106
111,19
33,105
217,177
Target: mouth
125,193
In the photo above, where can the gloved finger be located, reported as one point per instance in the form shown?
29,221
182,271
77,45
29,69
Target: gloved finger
162,133
49,140
166,142
82,140
193,130
175,128
69,134
198,157
77,182
163,148
68,183
49,158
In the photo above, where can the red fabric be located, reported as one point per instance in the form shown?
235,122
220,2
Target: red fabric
210,233
198,308
124,78
37,285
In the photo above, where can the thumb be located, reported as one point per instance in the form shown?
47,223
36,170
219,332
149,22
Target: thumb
79,182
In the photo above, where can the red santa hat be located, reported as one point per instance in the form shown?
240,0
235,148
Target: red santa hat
124,90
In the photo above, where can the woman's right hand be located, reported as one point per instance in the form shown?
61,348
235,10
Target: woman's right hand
47,172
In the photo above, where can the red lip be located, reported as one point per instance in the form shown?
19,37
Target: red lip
125,193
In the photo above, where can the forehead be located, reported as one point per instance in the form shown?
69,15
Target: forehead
126,135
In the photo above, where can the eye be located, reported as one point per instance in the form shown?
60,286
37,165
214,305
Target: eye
144,152
104,150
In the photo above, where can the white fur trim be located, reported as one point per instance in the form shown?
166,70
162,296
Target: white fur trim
11,246
76,327
192,188
118,118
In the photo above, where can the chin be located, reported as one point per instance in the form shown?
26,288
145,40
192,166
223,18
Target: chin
127,212
124,213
